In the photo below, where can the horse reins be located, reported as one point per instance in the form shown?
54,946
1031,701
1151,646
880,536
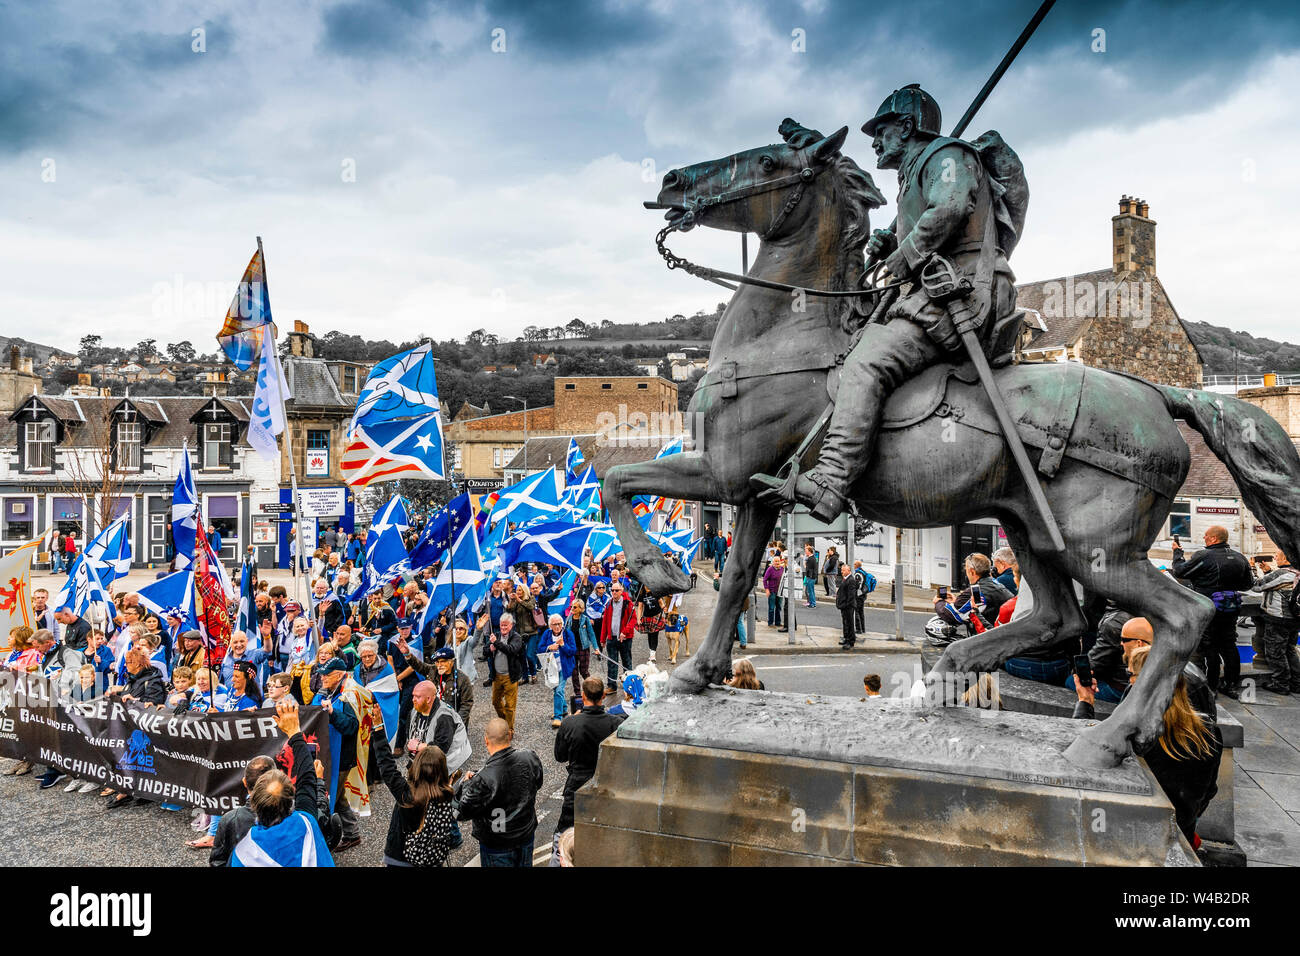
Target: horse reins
695,213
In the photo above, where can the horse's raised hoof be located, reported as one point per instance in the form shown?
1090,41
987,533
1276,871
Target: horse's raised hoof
695,676
662,578
1096,750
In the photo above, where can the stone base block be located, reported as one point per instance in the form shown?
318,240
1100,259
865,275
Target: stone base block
739,778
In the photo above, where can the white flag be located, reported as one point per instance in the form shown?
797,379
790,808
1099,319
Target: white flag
267,417
15,591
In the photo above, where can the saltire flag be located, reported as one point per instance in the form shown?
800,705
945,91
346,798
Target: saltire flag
402,386
209,598
296,841
604,541
84,592
672,448
378,452
551,542
15,589
185,511
110,551
573,460
249,314
246,619
266,417
582,493
463,573
439,531
537,496
176,590
386,555
560,605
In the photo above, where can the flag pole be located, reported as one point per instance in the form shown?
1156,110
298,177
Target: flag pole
288,444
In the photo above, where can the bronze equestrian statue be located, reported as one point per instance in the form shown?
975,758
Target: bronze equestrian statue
923,446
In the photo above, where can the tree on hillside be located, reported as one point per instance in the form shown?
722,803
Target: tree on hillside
182,352
146,350
577,328
592,362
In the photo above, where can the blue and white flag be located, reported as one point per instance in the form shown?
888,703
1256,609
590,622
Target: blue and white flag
537,496
294,841
185,512
176,590
560,603
388,695
84,591
402,386
246,619
674,447
582,494
411,447
604,542
110,552
572,462
552,542
386,555
266,417
462,574
439,531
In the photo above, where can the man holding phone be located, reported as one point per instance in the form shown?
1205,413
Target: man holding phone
1220,574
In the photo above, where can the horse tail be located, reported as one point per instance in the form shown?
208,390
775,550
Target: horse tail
1258,453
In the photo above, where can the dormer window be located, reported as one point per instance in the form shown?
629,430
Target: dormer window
128,446
39,438
217,445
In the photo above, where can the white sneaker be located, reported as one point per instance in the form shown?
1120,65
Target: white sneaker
87,787
72,786
652,657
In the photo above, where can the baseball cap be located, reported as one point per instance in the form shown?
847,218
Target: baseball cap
332,665
444,654
405,624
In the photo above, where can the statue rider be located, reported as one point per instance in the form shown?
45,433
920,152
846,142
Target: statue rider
947,204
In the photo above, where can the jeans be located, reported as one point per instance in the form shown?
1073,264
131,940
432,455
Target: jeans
1104,691
56,562
740,628
720,559
773,609
617,652
810,591
1276,640
1044,672
560,702
515,856
533,665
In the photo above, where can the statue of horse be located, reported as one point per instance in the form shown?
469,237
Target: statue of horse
1108,441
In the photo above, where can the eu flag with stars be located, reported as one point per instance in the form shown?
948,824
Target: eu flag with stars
440,530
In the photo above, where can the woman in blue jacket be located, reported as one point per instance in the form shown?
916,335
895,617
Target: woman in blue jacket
560,640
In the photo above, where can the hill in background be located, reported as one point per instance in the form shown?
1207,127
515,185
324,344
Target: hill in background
1227,352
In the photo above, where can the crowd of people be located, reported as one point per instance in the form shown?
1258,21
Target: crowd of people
328,650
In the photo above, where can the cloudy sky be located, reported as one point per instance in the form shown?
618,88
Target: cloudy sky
419,167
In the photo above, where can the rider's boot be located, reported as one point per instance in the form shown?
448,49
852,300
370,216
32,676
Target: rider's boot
844,453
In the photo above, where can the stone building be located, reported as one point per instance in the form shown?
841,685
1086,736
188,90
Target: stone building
1120,318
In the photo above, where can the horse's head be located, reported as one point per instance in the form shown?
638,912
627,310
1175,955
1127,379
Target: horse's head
767,190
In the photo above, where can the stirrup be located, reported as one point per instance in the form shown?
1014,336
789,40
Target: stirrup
784,493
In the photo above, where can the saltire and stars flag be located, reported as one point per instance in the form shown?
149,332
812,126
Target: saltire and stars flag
248,316
439,531
397,426
462,578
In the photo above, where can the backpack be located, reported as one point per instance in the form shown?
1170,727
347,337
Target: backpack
868,580
1010,187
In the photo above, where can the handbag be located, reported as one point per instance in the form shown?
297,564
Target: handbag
551,669
539,616
425,847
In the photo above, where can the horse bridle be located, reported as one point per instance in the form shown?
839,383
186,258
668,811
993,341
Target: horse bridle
695,211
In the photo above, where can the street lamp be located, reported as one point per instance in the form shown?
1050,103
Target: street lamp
516,398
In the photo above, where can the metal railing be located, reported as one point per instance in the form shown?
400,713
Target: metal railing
1233,383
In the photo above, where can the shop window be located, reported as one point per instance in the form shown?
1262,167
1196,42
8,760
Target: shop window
19,519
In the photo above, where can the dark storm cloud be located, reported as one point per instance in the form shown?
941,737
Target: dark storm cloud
375,28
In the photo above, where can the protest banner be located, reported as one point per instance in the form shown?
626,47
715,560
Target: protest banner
195,760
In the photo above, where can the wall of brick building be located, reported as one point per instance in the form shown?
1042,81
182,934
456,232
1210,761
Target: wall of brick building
1146,338
584,404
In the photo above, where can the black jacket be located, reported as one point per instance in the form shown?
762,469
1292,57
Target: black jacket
995,595
846,598
1216,568
513,647
810,566
77,634
577,743
147,686
509,781
1107,654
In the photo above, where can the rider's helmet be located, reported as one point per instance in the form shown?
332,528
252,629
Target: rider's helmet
911,101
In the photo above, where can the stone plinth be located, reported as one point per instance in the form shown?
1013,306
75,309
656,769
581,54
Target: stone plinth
730,778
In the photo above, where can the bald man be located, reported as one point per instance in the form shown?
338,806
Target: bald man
433,722
1220,574
501,799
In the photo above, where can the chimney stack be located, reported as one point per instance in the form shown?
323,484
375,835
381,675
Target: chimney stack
1133,235
300,340
15,358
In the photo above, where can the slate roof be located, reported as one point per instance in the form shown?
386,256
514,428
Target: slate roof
1062,331
311,384
173,418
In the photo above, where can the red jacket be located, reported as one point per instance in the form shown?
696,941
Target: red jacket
627,625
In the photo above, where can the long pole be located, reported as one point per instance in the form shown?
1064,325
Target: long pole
288,445
790,560
898,584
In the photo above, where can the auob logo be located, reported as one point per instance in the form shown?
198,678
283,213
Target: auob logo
136,757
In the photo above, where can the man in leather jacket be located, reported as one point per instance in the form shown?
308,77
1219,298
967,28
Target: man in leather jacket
501,800
1217,572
